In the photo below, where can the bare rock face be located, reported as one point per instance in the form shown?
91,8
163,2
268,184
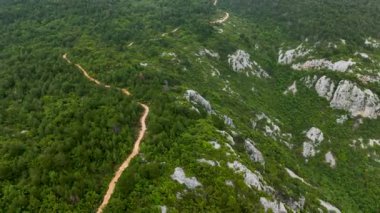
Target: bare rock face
210,53
292,89
195,97
253,152
351,98
209,162
180,176
315,137
275,206
287,57
339,66
251,179
309,81
325,87
370,42
228,121
329,207
241,62
330,159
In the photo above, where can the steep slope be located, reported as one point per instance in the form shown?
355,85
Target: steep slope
244,115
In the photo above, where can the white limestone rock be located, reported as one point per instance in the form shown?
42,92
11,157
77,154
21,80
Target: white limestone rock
287,57
370,42
270,128
229,138
315,137
351,98
296,206
275,206
325,87
292,89
330,208
210,53
229,183
164,209
251,179
342,119
309,81
241,62
195,97
339,66
363,55
365,79
253,152
214,144
228,121
295,176
143,64
209,162
180,176
330,159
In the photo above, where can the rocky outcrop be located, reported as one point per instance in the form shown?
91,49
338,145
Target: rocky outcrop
195,97
365,79
358,102
209,162
240,61
229,138
228,121
287,57
214,144
270,128
329,159
180,176
210,53
293,175
342,119
253,152
315,137
292,89
275,206
340,66
347,96
329,207
325,87
251,179
370,42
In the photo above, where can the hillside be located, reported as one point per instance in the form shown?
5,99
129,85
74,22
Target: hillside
250,106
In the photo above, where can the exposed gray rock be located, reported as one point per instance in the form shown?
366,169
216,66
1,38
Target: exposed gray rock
195,97
275,206
351,98
287,57
292,89
365,79
209,162
372,43
229,183
309,81
325,87
329,158
340,66
296,206
164,209
253,152
215,144
206,52
180,176
228,121
330,208
241,62
342,119
251,179
295,176
229,138
315,137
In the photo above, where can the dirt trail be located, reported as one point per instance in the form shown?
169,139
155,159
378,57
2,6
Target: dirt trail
136,147
222,20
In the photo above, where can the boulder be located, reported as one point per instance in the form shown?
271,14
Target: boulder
195,97
180,176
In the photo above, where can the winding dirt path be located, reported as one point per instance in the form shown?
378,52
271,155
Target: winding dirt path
136,147
222,20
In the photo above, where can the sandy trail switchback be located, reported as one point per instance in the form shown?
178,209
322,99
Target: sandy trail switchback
222,20
136,147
